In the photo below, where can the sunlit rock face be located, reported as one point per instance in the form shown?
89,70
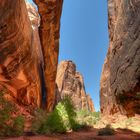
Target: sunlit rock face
19,63
33,15
120,80
50,13
90,103
35,22
71,83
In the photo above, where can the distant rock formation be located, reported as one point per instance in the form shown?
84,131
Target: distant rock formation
120,80
90,103
71,83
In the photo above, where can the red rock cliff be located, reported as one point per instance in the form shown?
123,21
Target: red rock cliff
50,12
120,80
19,68
71,83
24,59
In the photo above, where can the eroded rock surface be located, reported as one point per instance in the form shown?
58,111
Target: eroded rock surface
19,62
50,12
71,83
120,81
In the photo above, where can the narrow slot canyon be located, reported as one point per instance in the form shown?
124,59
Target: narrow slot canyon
69,70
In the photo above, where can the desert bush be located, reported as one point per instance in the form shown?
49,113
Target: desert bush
108,130
62,119
18,125
138,95
39,121
85,117
9,125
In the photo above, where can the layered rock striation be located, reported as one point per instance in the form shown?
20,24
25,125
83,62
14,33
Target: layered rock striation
71,83
120,80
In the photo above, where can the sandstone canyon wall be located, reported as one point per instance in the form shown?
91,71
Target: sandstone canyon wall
19,68
27,54
120,80
50,12
71,83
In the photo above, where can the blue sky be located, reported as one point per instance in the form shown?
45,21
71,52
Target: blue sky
84,40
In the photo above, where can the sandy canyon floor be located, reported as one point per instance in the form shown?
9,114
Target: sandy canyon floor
120,134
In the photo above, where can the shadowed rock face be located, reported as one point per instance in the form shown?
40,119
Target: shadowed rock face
19,62
120,80
50,12
71,83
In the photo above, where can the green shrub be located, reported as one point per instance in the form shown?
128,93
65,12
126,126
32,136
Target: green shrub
9,125
18,125
70,113
138,95
106,131
40,118
85,117
62,119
